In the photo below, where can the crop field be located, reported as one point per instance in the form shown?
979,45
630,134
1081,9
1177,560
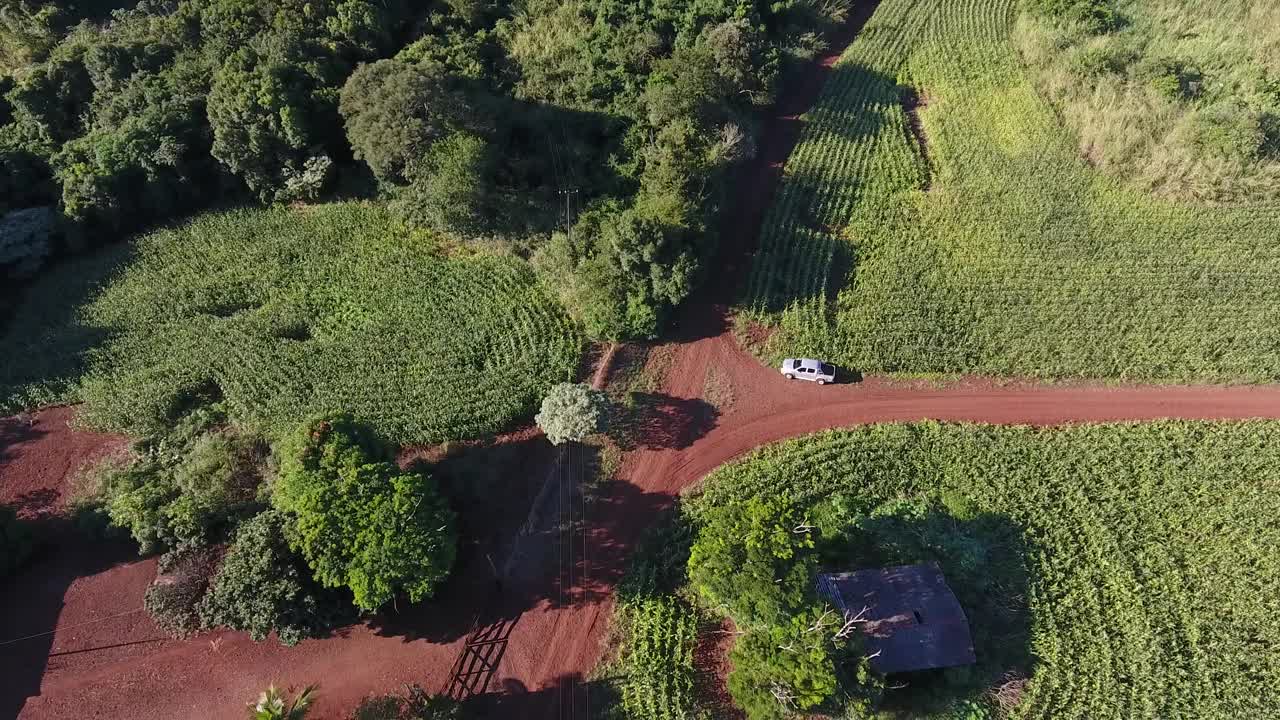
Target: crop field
657,663
977,240
1141,576
283,313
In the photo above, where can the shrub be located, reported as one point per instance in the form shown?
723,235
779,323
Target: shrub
1228,130
1173,78
415,704
15,541
180,491
358,520
263,587
572,411
1097,15
182,578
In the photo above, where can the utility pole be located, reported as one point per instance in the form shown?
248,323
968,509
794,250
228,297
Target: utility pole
568,222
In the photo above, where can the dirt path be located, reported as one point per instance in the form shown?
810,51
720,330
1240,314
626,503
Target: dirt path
542,631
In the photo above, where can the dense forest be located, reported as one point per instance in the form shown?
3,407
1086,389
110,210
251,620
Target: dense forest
489,122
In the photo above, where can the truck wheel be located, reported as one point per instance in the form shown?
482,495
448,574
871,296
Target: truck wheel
789,376
822,382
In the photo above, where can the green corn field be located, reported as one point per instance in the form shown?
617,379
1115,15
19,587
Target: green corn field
283,313
995,249
657,663
1136,567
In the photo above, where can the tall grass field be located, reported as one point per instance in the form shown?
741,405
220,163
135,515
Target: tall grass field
979,239
1107,571
281,313
1177,97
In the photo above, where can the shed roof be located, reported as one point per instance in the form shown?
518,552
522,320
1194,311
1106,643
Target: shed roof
913,620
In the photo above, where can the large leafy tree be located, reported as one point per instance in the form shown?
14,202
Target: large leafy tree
755,559
358,519
271,114
784,668
392,111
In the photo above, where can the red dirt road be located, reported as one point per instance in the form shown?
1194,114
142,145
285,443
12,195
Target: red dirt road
550,620
552,644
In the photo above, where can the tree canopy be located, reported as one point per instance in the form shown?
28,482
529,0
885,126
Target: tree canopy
359,520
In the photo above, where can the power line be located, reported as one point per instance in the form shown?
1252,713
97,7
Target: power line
66,627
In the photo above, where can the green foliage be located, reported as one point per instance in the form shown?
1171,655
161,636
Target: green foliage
782,669
415,704
448,186
754,559
1126,569
274,705
173,598
1228,130
28,29
654,673
1142,121
657,658
393,111
184,488
358,520
263,587
1020,259
1096,15
269,116
572,411
284,313
134,115
15,541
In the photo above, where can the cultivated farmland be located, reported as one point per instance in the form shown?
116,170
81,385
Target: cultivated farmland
1107,570
283,313
978,240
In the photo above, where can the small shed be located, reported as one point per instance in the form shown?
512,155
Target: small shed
912,620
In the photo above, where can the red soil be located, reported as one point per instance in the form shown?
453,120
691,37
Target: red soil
107,659
549,619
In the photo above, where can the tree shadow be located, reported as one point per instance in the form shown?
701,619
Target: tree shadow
45,345
656,421
32,599
542,150
492,486
983,557
566,696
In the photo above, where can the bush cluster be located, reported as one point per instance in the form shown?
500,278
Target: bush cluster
186,488
173,598
263,587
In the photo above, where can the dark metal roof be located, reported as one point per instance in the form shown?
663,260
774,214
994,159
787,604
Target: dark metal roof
912,618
